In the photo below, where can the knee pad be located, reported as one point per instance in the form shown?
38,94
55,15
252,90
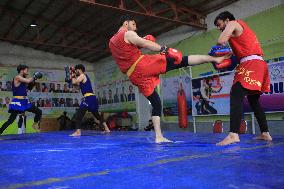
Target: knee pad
156,103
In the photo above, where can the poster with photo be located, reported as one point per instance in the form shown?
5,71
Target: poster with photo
114,91
274,100
169,90
211,95
117,96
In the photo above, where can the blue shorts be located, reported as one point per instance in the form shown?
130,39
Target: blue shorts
90,103
20,105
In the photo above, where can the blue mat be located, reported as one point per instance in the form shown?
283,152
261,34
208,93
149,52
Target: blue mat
131,160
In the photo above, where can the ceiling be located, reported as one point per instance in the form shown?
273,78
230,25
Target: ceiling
81,29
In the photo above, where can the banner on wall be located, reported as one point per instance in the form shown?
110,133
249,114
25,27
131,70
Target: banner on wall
51,94
274,100
211,95
114,91
117,96
169,89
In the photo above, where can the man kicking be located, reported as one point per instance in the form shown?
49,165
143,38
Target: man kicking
144,70
89,102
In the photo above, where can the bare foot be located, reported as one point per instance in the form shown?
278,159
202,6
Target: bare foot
264,136
106,131
106,128
230,139
162,140
76,133
36,126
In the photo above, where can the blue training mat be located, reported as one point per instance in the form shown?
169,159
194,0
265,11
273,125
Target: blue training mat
131,160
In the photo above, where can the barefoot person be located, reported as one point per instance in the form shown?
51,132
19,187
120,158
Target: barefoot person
144,70
89,103
20,103
251,77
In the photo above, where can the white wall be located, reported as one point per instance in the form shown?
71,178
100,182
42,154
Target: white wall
143,110
243,9
13,55
240,9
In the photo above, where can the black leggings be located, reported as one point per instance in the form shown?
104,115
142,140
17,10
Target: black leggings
22,119
238,92
156,104
172,66
13,116
79,115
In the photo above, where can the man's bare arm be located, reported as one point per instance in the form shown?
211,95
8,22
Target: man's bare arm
227,33
78,80
21,79
133,38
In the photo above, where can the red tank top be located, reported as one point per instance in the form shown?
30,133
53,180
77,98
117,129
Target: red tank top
125,54
246,44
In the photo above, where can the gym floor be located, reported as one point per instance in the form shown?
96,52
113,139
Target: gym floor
132,160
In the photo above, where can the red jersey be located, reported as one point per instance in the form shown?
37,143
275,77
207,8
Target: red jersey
125,54
147,70
252,74
246,44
